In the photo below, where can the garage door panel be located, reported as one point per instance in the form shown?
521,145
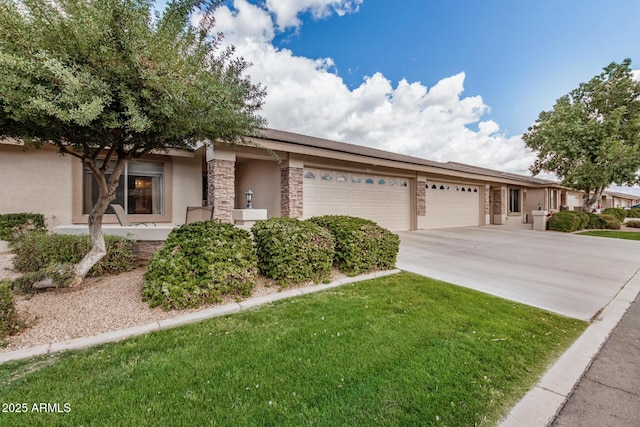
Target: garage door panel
387,205
447,207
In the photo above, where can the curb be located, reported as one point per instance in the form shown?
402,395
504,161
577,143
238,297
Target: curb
541,405
198,316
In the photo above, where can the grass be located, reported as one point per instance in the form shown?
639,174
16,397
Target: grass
399,350
626,235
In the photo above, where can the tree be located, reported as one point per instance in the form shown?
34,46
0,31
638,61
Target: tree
111,80
591,137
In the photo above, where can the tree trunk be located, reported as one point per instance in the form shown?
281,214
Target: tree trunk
107,194
589,201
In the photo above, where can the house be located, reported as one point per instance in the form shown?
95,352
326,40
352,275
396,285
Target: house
290,175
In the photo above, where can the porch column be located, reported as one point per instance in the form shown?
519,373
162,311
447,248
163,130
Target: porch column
487,204
421,197
291,189
221,166
499,204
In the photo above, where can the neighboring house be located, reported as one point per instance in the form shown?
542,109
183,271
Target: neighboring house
307,177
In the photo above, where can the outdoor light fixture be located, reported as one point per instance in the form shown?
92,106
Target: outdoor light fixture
539,206
249,195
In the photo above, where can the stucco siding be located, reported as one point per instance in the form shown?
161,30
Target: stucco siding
38,181
186,187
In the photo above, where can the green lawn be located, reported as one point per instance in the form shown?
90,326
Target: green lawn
627,235
400,350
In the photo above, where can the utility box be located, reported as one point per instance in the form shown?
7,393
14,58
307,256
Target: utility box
540,220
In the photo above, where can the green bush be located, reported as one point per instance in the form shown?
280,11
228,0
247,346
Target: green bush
56,275
619,213
36,251
632,224
611,222
9,324
200,263
292,251
596,222
566,221
633,213
584,219
13,224
361,245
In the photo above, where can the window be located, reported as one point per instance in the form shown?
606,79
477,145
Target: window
310,175
393,182
553,199
355,179
369,181
341,178
326,177
514,200
381,181
403,183
433,187
140,189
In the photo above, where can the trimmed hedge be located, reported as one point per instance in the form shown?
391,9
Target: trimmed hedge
619,213
38,251
566,221
361,245
9,324
611,222
12,224
633,213
292,251
200,263
570,221
632,224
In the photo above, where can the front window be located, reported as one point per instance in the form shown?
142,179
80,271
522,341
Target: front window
140,189
514,200
553,199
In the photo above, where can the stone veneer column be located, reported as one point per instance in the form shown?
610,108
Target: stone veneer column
291,193
221,188
421,198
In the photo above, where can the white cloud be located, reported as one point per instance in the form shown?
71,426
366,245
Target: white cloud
286,11
305,95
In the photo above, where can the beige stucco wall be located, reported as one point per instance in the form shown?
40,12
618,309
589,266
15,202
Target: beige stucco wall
263,177
37,181
186,187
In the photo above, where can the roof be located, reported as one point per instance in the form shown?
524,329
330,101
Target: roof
343,147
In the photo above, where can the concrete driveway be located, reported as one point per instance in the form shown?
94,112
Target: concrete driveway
569,274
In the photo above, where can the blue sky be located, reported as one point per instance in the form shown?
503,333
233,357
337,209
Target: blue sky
446,80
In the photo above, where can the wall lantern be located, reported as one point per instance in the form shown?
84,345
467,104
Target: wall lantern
539,206
249,195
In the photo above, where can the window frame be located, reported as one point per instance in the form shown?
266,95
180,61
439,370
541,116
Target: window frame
78,217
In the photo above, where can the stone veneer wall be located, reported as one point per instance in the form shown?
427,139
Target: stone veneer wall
221,188
291,204
497,201
421,199
487,198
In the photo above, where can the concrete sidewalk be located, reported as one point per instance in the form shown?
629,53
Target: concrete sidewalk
609,392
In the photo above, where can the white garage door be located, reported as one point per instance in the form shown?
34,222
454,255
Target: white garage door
452,205
380,198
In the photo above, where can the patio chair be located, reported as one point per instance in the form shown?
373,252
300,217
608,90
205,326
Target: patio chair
123,219
198,213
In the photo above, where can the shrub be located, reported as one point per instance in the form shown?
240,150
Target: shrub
37,251
611,222
619,213
292,251
633,213
596,222
9,324
633,224
13,224
52,276
361,245
566,221
584,219
200,263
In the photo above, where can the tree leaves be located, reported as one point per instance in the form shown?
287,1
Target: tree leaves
591,137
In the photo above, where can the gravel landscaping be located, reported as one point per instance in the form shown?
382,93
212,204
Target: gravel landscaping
98,305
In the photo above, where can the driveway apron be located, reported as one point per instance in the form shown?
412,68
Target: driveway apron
569,274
